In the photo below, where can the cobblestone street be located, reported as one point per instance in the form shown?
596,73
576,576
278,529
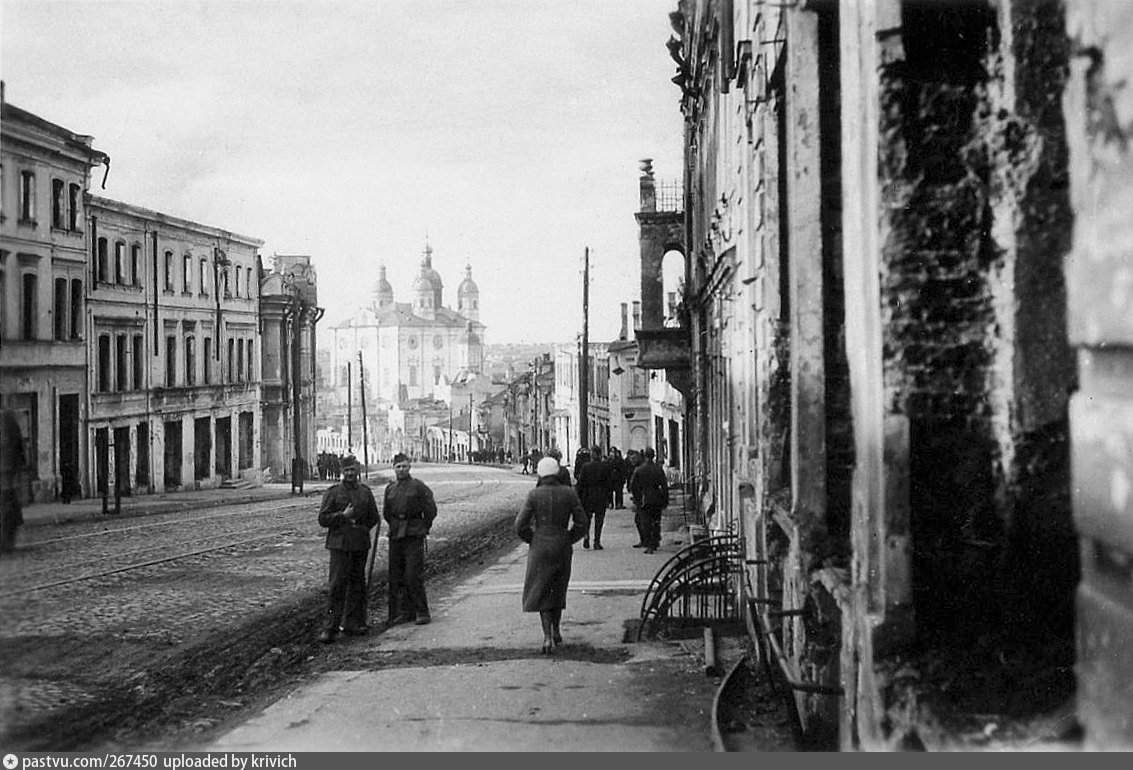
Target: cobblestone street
110,650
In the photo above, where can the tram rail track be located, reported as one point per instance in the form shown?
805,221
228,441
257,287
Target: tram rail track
140,565
131,645
36,580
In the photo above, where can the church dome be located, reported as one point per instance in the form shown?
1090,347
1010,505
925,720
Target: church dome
468,296
467,286
427,270
423,284
383,291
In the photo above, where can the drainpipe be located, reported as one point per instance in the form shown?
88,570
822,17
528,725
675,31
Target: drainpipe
156,294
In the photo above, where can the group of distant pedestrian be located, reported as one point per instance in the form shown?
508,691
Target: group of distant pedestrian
555,515
330,465
489,456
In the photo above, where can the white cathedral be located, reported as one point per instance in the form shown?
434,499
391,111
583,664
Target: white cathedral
412,349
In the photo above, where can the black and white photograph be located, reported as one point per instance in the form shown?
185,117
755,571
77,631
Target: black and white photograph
720,376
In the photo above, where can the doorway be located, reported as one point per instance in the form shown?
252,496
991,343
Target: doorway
245,438
141,476
102,461
122,484
172,455
224,447
70,486
202,447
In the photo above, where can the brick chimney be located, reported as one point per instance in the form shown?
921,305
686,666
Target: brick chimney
624,333
636,315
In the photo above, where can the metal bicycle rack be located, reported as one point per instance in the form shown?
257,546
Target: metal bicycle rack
693,587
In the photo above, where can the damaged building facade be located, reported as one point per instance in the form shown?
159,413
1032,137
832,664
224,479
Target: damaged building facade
289,313
886,278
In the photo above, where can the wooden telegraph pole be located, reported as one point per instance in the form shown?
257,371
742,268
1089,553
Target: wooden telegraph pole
349,410
365,431
584,357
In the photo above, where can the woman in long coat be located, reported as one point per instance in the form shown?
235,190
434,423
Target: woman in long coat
551,521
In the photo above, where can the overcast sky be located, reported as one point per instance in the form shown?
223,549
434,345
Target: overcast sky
508,130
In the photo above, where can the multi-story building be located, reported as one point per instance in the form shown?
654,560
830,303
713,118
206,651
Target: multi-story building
631,414
44,280
879,200
289,312
567,402
528,409
174,379
409,349
408,425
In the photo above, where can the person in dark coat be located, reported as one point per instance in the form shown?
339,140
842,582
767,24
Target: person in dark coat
617,479
593,485
551,521
633,461
581,457
649,485
348,512
13,463
409,509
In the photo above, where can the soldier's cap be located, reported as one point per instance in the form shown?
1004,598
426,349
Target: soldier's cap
350,461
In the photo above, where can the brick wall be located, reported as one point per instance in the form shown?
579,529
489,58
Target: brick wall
938,299
978,220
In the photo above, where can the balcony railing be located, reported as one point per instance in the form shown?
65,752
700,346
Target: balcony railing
670,196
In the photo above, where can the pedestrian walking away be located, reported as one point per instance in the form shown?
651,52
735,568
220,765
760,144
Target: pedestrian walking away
564,474
550,522
617,479
409,509
348,512
593,485
649,486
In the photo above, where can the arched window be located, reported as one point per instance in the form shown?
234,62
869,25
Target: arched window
136,264
60,319
76,309
119,262
29,304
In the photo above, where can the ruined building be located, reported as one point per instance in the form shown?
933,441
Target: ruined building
899,221
289,314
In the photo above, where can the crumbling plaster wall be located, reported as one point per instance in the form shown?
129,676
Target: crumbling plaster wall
973,168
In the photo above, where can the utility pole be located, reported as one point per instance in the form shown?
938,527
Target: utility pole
298,466
449,453
365,432
470,427
584,357
349,410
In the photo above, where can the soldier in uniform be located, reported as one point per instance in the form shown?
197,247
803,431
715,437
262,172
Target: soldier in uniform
649,485
348,513
409,509
593,486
